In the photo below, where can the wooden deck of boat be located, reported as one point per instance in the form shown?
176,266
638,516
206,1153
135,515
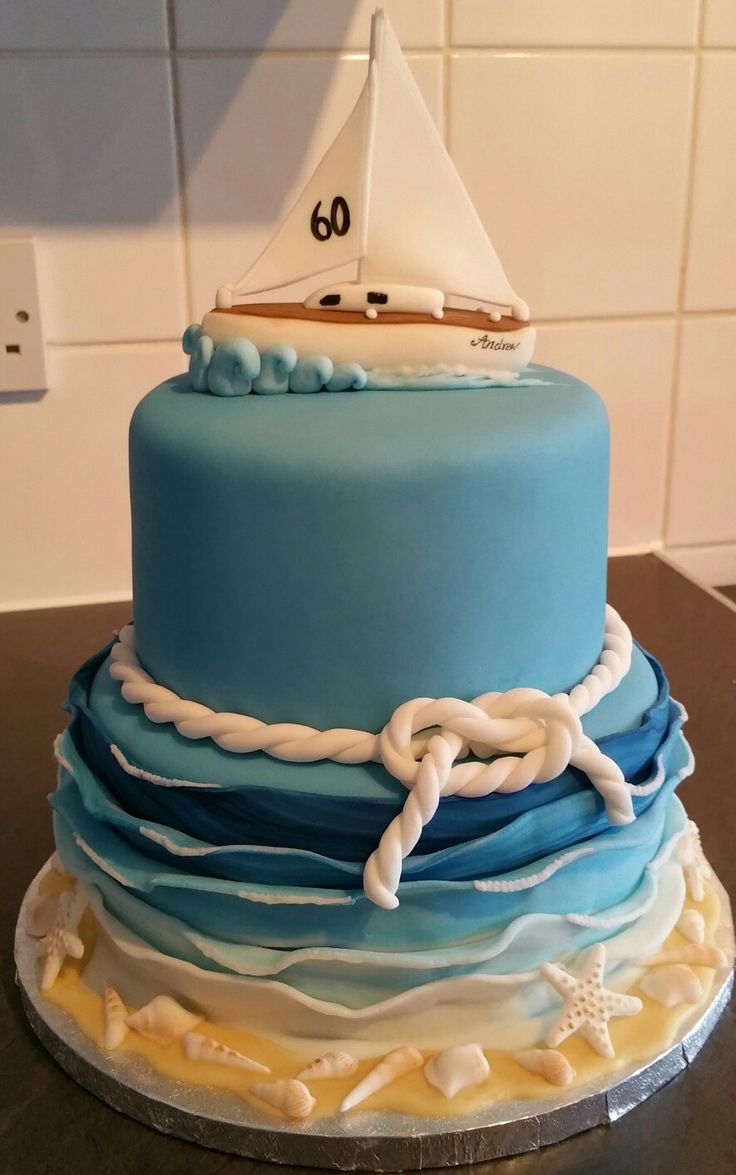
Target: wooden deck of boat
472,319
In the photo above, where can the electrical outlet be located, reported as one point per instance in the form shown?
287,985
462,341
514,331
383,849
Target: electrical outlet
22,356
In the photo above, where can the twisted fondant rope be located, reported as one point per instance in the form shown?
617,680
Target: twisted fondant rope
533,735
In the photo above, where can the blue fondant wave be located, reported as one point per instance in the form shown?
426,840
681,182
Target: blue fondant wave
440,930
250,792
235,367
251,903
551,828
277,364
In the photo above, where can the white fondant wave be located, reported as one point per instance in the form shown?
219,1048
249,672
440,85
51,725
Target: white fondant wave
150,777
286,899
671,844
160,838
59,755
517,884
100,862
424,378
660,773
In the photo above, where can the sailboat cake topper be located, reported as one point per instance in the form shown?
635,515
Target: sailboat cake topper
387,198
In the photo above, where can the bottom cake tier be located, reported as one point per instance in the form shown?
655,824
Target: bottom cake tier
205,911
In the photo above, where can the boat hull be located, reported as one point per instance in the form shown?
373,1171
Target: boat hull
418,346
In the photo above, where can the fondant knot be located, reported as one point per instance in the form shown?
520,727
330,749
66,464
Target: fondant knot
517,738
536,736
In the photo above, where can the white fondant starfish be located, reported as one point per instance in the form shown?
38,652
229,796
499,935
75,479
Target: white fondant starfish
588,1004
62,939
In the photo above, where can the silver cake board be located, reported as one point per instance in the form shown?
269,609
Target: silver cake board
361,1141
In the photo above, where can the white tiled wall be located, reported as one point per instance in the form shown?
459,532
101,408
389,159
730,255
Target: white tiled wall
151,147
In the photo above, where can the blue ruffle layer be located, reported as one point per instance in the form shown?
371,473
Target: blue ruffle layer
341,821
240,879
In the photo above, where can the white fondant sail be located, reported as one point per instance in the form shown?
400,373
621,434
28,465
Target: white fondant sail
295,252
422,227
411,220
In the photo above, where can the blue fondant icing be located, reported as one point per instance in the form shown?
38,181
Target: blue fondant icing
199,362
311,374
234,366
277,364
323,560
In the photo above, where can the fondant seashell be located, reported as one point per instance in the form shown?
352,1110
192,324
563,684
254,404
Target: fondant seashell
691,925
672,985
329,1065
694,881
457,1068
394,1065
202,1048
550,1064
291,1096
42,914
163,1020
693,953
116,1014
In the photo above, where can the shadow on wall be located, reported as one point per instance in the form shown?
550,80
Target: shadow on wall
61,179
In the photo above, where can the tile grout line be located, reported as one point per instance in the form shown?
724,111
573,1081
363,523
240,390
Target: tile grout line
80,344
361,53
357,54
180,168
446,73
674,398
527,50
703,545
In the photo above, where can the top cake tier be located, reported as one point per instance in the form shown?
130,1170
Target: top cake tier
322,559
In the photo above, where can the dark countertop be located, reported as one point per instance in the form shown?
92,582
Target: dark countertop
48,1124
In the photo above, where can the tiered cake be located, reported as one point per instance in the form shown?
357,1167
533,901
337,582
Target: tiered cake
304,854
